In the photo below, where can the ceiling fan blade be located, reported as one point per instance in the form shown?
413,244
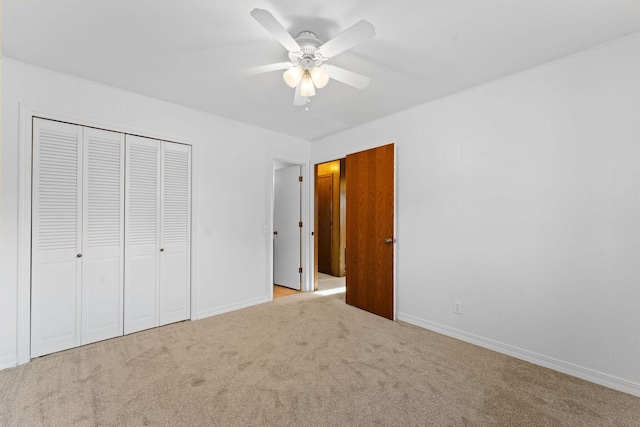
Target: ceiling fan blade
271,24
264,68
347,77
298,99
347,39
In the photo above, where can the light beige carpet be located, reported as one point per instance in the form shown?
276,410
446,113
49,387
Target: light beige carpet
304,360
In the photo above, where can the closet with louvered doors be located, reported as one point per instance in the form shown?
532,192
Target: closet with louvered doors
77,236
110,250
157,236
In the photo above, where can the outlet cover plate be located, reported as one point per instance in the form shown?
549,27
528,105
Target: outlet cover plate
457,307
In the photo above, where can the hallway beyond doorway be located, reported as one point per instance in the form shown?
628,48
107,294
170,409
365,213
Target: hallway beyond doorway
326,282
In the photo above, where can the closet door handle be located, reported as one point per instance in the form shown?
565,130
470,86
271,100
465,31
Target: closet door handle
161,249
79,255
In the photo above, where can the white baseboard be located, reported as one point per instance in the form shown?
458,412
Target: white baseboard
231,307
8,362
529,356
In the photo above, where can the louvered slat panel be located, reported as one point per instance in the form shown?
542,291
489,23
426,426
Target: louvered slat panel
142,221
103,259
58,191
142,195
175,228
175,223
56,233
103,192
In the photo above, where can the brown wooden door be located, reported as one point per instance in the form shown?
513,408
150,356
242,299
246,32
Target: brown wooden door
370,204
325,219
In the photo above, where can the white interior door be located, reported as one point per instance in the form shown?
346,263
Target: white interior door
287,232
103,235
175,231
56,235
142,231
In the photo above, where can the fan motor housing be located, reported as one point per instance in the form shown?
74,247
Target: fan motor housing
309,44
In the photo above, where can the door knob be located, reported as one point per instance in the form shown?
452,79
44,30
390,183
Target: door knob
275,233
161,249
79,255
388,240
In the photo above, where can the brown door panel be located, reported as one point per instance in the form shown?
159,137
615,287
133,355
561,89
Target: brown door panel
370,239
325,218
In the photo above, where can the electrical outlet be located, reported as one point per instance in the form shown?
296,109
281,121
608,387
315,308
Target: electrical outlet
457,307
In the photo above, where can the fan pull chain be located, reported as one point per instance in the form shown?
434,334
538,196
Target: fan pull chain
306,108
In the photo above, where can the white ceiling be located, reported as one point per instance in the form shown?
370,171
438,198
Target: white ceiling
185,51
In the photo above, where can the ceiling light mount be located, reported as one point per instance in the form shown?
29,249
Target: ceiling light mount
306,65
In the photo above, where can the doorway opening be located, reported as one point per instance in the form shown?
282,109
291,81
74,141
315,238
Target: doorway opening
367,244
330,227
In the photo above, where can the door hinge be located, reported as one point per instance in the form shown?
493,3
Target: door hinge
300,224
300,270
300,178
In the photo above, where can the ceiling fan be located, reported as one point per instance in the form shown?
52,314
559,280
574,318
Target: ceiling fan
307,69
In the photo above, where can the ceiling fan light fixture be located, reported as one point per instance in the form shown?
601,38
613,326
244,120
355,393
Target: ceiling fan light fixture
319,76
307,88
293,76
306,69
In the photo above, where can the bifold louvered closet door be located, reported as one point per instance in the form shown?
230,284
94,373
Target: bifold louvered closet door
77,236
110,235
157,242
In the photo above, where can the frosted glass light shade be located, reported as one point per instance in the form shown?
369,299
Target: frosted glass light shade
307,88
320,77
293,76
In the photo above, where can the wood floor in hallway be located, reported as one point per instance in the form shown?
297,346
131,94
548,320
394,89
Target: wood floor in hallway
282,291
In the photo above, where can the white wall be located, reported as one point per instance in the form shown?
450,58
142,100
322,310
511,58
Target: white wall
232,166
521,199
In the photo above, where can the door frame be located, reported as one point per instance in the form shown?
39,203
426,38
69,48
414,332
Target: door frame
312,208
305,283
25,155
